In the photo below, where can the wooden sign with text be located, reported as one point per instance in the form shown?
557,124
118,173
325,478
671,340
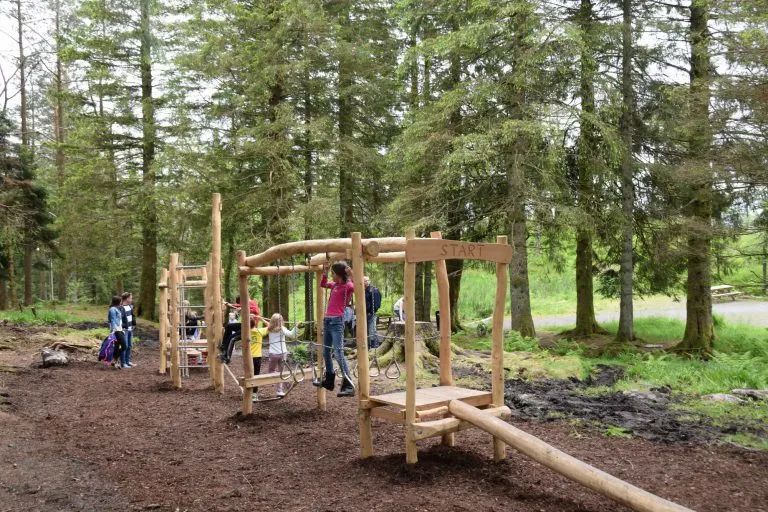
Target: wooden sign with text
425,249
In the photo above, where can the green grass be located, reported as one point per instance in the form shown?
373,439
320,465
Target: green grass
42,317
618,432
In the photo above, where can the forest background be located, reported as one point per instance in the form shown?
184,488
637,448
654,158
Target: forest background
621,145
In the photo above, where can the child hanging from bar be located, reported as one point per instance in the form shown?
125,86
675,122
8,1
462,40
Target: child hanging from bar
278,350
342,288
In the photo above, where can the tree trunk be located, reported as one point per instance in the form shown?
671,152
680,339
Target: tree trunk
765,264
699,329
586,161
11,277
58,128
26,154
626,330
419,292
229,270
3,294
427,345
345,125
455,268
519,286
28,250
427,314
61,284
22,80
148,283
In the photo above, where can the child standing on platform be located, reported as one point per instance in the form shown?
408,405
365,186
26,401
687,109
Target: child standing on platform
278,350
342,288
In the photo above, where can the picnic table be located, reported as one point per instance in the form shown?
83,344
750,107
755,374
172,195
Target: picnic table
724,290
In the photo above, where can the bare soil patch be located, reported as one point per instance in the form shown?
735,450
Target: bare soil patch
91,438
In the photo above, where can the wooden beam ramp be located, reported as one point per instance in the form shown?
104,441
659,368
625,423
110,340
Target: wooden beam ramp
570,467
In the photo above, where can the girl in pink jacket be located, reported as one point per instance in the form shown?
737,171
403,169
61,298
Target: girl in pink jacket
342,289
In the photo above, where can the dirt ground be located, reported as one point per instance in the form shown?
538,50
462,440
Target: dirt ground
92,438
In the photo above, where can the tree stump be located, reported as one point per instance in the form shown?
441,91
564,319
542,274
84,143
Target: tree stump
427,341
54,358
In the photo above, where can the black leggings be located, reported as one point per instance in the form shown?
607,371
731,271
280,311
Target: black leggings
231,335
119,345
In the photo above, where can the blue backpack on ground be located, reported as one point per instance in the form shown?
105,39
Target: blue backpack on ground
107,350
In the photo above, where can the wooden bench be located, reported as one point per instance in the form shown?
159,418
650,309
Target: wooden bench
724,290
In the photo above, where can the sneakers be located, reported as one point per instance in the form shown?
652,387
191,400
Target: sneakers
347,388
281,393
255,397
131,364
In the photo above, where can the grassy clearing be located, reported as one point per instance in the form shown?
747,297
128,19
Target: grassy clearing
40,317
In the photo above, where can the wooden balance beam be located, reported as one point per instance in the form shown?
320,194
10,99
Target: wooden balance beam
570,467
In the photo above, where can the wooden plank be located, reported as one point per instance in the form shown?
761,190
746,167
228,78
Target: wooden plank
433,250
245,338
282,270
319,312
371,247
173,281
570,467
444,301
164,322
427,398
388,414
411,456
425,429
215,277
208,300
363,380
497,347
186,273
387,257
264,379
431,413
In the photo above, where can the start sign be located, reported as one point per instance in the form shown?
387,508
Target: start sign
426,249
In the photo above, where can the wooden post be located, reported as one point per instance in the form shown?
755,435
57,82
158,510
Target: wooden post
497,348
245,336
173,285
363,380
209,323
411,456
444,301
217,332
319,314
570,467
163,322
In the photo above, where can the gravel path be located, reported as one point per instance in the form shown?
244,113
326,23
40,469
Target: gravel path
744,311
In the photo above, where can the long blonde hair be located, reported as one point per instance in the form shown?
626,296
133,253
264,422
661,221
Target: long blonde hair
275,323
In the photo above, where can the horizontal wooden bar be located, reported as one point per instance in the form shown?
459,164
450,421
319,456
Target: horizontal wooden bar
388,414
430,413
274,271
194,272
425,429
434,249
371,247
387,257
265,379
193,284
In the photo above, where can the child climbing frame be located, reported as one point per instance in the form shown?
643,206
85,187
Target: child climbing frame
174,283
414,407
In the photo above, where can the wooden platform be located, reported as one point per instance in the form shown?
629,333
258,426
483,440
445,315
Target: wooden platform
429,398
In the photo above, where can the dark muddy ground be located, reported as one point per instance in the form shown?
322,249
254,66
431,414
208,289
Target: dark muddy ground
91,438
650,414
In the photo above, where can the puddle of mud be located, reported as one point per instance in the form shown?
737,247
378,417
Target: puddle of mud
648,415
